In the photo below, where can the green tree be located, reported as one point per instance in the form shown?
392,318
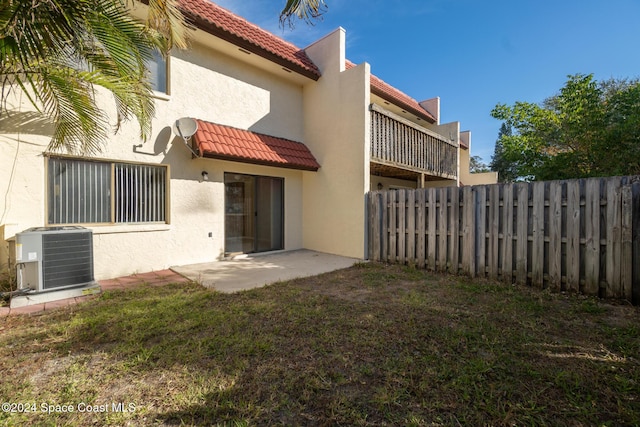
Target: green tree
588,129
476,165
57,52
499,163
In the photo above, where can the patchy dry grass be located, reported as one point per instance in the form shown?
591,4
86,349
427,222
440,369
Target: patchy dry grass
370,345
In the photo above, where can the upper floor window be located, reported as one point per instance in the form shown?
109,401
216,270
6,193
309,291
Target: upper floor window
158,72
83,191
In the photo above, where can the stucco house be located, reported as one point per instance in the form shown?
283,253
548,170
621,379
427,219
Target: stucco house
288,143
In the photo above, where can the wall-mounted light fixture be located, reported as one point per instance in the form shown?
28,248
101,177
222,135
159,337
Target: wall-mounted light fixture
380,186
205,176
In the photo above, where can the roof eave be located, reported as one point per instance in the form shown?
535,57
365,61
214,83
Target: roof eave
210,155
209,27
423,114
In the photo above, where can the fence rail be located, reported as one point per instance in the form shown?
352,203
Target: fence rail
577,235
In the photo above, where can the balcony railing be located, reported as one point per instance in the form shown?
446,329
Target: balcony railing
401,144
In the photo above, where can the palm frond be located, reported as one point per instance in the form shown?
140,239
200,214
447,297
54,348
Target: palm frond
58,51
306,10
168,21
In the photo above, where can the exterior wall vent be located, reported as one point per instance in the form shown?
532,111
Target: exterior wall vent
52,258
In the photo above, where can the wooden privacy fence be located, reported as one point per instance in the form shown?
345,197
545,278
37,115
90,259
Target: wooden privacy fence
577,235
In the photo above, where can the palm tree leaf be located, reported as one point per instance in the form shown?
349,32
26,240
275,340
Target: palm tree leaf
306,10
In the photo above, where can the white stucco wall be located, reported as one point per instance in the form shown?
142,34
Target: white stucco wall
337,129
205,84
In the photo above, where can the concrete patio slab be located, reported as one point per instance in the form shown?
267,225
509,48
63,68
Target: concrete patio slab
257,270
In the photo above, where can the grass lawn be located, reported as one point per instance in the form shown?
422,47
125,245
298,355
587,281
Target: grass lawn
370,345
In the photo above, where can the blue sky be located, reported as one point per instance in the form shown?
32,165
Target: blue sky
474,54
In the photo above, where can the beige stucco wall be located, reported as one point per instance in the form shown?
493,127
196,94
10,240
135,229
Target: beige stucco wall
336,123
466,177
390,183
206,85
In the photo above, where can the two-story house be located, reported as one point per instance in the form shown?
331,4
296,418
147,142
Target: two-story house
288,142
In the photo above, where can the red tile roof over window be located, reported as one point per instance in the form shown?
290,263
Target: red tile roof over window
228,143
222,23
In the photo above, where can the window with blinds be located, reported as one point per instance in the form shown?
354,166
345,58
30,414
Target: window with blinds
95,192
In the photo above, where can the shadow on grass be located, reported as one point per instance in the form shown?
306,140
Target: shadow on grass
369,345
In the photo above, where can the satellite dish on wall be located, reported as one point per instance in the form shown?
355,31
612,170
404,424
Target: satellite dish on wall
185,127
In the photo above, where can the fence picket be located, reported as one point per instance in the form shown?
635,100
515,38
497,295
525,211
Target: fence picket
454,248
555,236
573,236
507,238
537,247
522,233
402,229
393,227
374,226
411,227
468,231
481,233
384,251
626,258
494,231
442,230
613,253
592,238
420,219
431,242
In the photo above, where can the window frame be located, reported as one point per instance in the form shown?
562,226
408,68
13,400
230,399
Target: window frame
157,55
112,189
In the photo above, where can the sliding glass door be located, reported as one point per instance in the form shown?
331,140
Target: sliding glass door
254,213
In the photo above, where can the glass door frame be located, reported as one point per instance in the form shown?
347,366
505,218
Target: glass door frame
236,217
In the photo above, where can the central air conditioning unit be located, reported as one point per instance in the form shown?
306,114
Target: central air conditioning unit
52,258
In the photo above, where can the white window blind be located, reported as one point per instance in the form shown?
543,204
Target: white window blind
86,192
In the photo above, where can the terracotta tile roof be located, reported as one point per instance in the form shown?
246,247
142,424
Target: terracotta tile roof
389,93
228,26
228,143
224,24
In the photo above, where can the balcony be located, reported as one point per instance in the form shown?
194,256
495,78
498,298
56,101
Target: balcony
402,149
